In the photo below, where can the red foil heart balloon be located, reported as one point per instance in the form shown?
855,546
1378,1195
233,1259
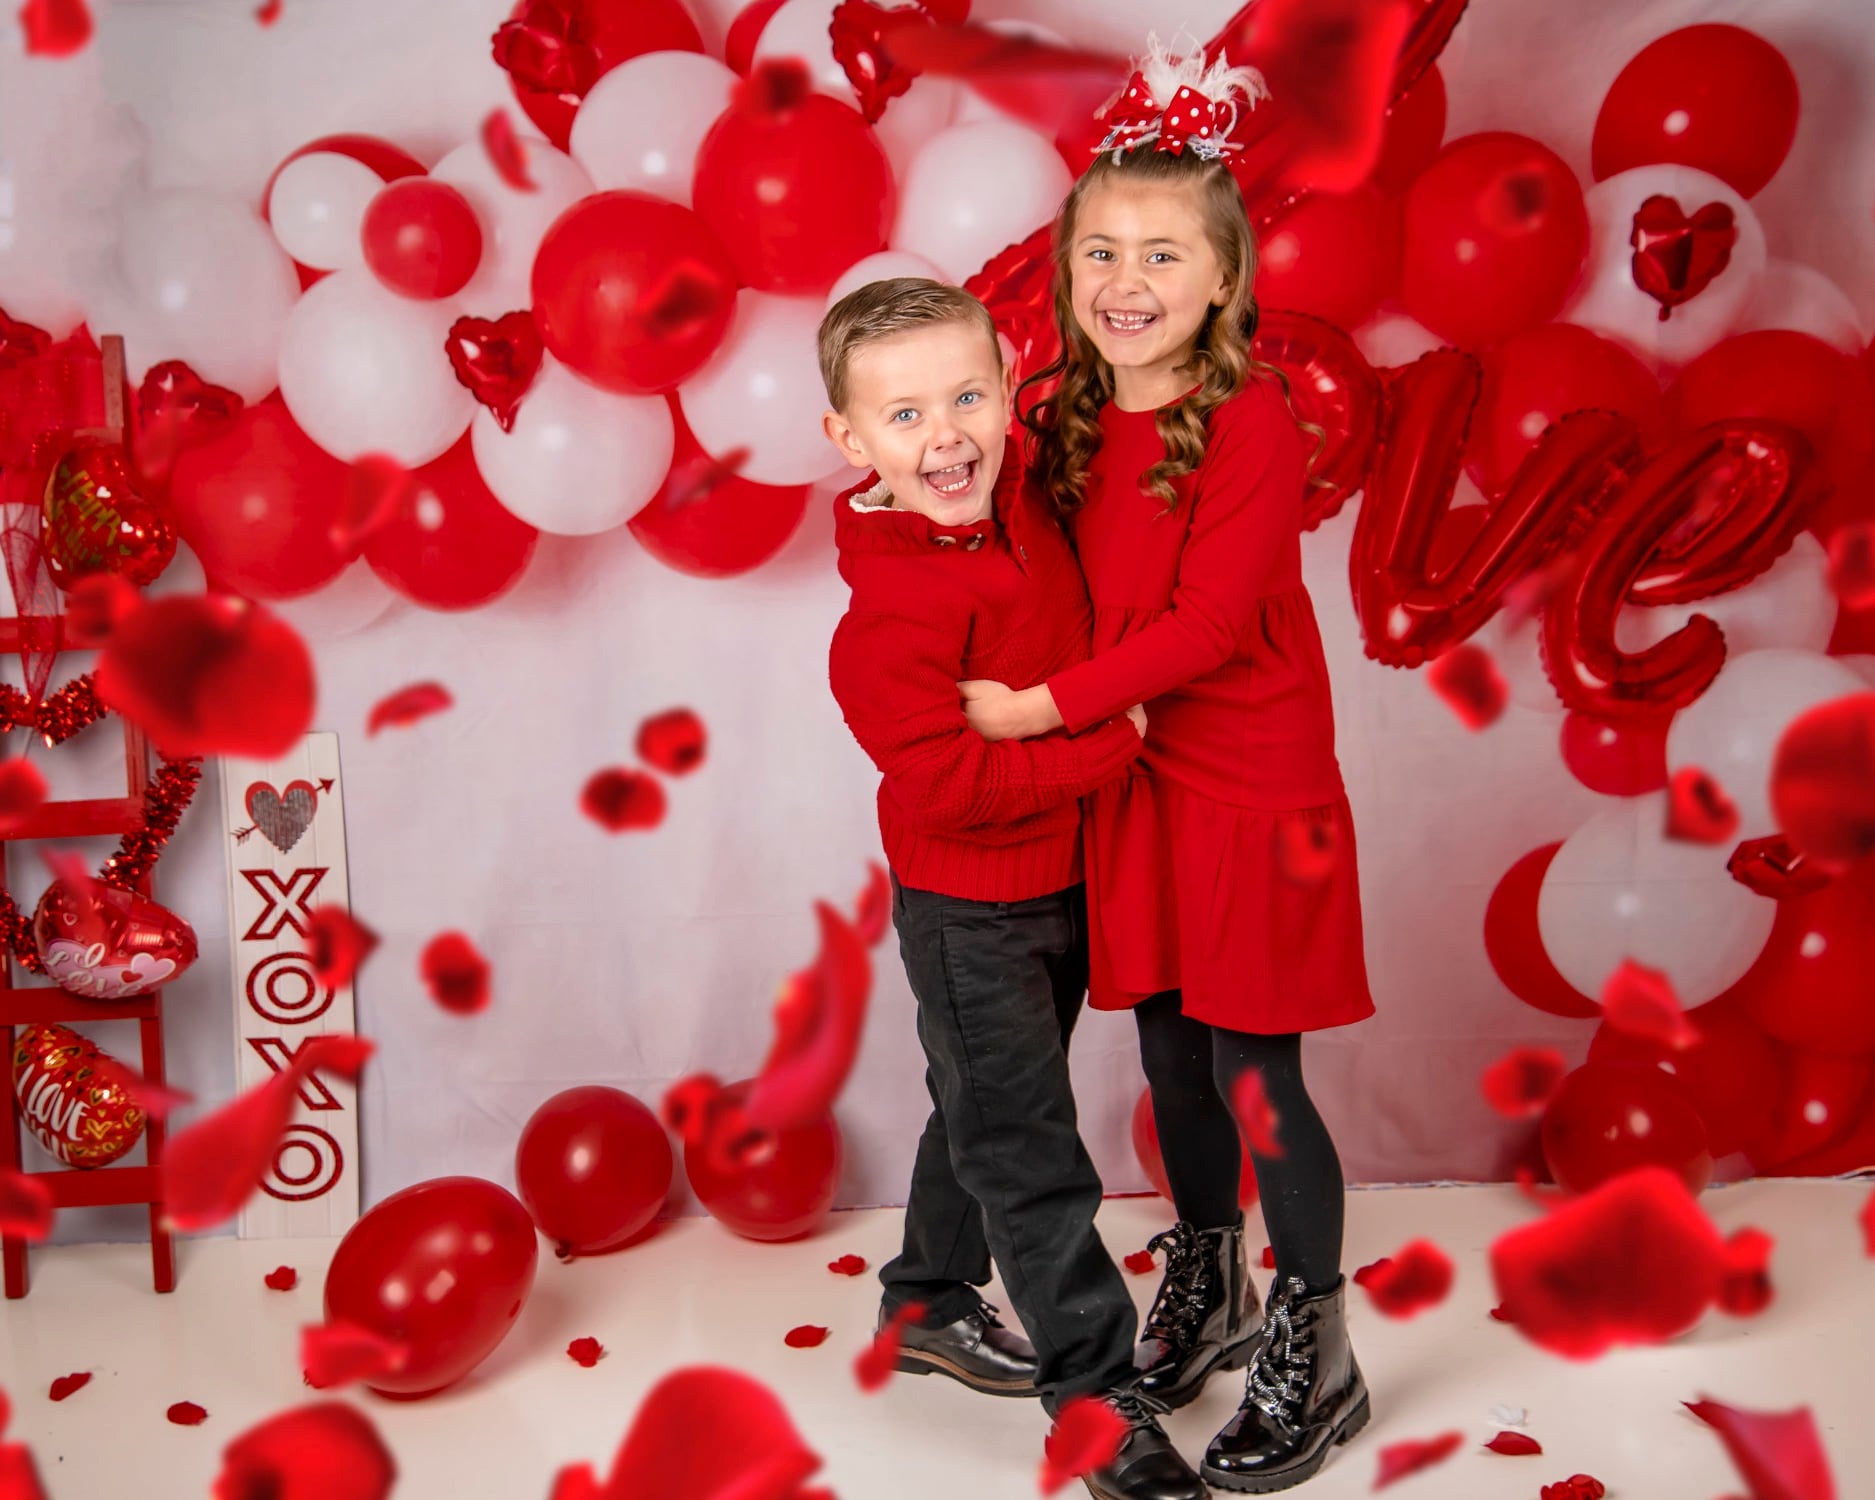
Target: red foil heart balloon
497,360
107,943
1676,258
73,1097
96,522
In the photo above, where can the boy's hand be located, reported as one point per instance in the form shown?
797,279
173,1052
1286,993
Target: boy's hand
1137,713
999,713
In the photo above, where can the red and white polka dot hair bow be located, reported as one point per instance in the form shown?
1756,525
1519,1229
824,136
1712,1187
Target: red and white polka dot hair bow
1200,109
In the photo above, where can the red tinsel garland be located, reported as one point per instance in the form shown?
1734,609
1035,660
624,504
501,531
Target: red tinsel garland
165,800
72,708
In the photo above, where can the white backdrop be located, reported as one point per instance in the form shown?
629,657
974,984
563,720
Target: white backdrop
633,960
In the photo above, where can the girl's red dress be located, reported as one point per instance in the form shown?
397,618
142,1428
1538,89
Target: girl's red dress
1224,866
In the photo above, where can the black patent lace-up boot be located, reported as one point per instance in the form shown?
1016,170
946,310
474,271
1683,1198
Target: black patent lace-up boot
1205,1317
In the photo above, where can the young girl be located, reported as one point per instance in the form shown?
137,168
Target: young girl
1224,907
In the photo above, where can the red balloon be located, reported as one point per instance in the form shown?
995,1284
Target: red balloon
1495,234
1146,1148
745,33
1823,782
603,34
452,544
421,238
387,161
1821,1098
1810,985
1412,133
443,1268
796,193
1853,1152
1332,256
1617,757
1715,97
106,943
1610,1118
1533,377
710,522
1734,1073
593,1166
632,292
1515,947
1773,374
257,504
782,1193
1332,386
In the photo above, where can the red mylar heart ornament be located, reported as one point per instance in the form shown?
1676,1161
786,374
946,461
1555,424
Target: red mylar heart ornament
73,1098
102,942
863,34
545,49
1677,257
96,521
497,359
176,409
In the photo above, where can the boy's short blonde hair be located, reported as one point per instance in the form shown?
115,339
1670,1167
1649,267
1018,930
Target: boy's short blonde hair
882,309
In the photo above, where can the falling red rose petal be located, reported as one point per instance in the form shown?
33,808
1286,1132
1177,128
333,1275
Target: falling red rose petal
22,793
1468,680
1417,1276
282,1279
187,1414
585,1352
505,151
157,1100
1778,1453
1772,868
1575,1487
25,1205
1498,1315
268,12
1852,565
1307,849
690,1105
1519,1084
456,974
96,605
619,800
67,1385
1269,1257
819,1016
1633,1261
1256,1116
1698,810
407,705
672,742
375,490
872,912
1086,1435
55,28
1745,1289
1397,1460
1867,1220
1140,1262
1514,1445
879,1359
336,1354
848,1265
807,1336
326,1450
1823,782
340,943
1641,1002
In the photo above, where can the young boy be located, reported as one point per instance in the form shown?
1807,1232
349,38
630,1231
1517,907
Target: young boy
959,572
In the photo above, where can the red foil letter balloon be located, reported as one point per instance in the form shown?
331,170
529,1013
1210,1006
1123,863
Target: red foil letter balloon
109,944
73,1098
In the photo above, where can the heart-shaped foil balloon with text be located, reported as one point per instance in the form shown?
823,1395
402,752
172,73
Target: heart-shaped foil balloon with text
96,521
74,1098
109,944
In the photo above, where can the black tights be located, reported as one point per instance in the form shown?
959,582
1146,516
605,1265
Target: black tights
1192,1069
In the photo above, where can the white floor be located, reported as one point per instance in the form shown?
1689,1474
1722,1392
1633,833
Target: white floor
696,1294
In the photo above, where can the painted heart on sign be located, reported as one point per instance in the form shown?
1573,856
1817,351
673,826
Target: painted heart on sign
282,815
1676,257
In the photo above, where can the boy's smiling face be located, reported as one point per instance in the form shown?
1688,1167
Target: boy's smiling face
928,409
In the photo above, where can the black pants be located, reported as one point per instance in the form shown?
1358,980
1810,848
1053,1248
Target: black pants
1192,1069
1001,1169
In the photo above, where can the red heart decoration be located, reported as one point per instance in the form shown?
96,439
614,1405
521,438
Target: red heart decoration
546,49
1698,809
862,41
97,522
103,943
73,1098
177,409
497,360
1676,258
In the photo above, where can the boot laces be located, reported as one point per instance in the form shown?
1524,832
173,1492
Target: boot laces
1282,1371
1179,1309
1139,1409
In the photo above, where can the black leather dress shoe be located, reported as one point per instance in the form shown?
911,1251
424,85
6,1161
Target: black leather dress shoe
976,1351
1147,1467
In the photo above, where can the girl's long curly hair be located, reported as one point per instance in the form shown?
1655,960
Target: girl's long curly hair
1064,423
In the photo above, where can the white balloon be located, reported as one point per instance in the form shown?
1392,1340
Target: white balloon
1519,657
761,391
513,221
1863,666
1802,298
580,460
184,575
1607,298
641,125
1731,730
801,28
1789,605
317,207
364,370
954,216
343,606
197,276
1395,339
1619,888
882,266
931,104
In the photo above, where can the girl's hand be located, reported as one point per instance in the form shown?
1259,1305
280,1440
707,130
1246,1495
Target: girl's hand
999,713
1137,713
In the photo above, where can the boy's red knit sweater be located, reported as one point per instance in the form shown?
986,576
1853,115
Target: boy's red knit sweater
933,605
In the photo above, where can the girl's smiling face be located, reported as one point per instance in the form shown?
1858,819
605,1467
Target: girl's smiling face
1144,277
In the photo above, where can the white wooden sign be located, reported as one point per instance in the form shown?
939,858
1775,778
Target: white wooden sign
285,823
